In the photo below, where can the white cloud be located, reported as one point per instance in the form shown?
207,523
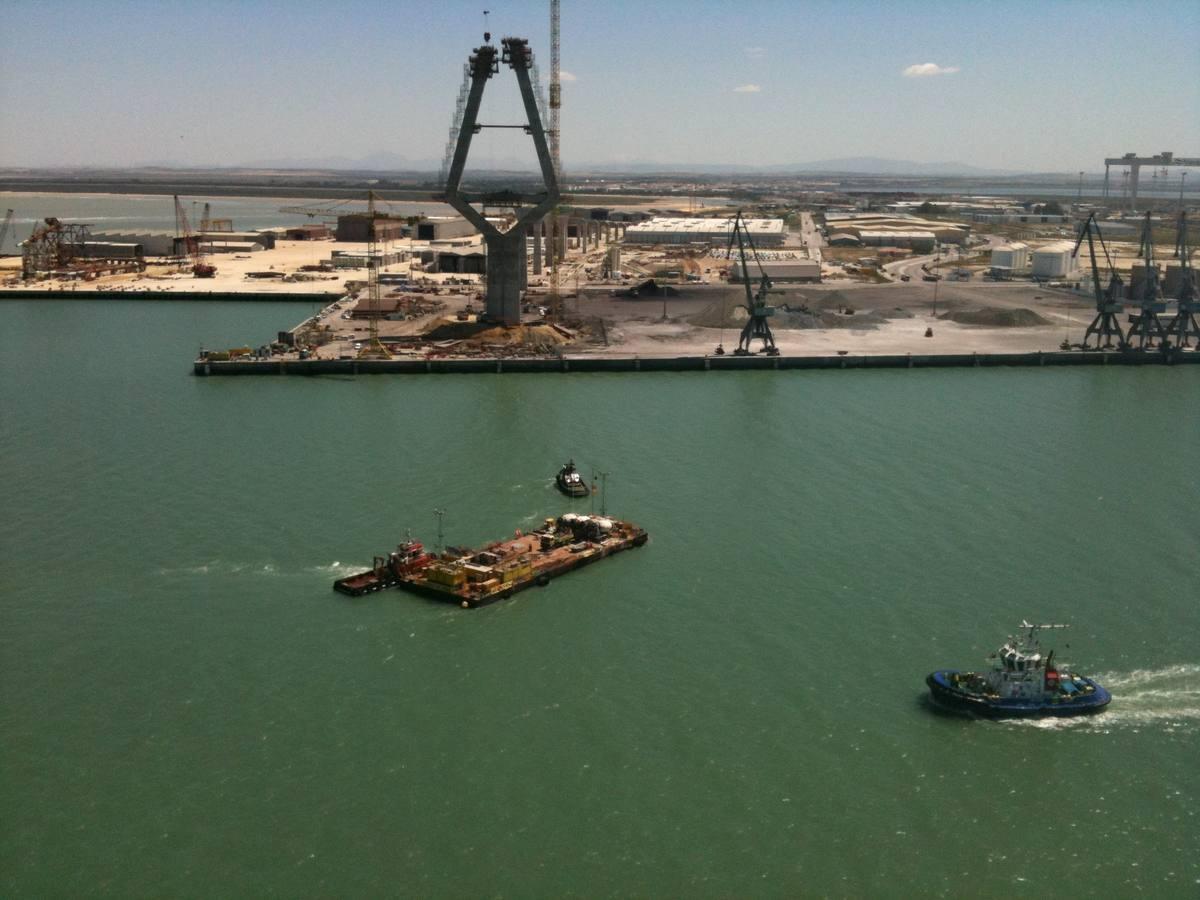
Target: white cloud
564,75
747,89
925,70
756,52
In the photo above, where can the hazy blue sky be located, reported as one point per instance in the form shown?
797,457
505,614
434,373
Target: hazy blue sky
1020,85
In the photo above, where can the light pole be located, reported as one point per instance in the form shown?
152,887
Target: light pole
937,276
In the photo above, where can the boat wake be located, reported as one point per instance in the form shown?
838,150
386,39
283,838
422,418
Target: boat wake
1166,699
335,569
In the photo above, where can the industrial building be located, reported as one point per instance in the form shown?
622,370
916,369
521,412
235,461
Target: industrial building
922,241
801,268
1019,218
109,250
168,243
442,228
357,259
358,227
665,230
1010,259
856,224
153,243
1056,260
307,233
468,259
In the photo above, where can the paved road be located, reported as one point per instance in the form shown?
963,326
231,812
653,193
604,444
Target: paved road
811,235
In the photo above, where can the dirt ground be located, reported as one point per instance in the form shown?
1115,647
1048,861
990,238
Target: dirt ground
886,319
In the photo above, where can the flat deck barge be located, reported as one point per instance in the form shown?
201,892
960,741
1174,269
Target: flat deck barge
473,578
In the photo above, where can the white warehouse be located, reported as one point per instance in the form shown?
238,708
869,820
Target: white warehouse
1055,260
668,230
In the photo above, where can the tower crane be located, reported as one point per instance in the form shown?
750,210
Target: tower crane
756,302
373,349
193,247
1105,325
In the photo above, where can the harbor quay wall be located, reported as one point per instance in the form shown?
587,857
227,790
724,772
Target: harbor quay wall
476,365
261,296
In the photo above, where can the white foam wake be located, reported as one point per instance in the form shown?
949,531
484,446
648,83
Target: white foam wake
1166,699
335,569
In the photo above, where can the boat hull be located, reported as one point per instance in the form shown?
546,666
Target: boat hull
948,696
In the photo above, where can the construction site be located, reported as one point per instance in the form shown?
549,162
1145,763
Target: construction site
512,271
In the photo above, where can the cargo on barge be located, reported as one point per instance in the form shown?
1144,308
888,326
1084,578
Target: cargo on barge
502,568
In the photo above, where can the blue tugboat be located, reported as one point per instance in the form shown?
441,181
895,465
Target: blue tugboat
1021,683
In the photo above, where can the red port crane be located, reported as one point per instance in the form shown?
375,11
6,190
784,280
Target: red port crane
191,243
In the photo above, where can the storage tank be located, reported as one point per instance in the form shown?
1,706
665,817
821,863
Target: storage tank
1014,257
1053,260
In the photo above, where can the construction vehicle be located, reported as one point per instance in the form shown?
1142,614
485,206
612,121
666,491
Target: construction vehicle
1105,325
193,249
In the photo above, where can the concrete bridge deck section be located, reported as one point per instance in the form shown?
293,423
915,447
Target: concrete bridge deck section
567,364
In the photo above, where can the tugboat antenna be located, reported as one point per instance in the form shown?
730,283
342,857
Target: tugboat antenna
440,513
604,493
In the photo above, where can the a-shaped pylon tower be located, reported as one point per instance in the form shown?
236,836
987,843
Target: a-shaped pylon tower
1185,326
1145,327
506,252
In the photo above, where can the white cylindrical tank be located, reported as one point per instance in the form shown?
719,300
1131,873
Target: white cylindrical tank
1053,261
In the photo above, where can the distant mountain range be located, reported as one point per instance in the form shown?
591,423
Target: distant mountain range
855,165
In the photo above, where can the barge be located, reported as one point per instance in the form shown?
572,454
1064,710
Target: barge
472,578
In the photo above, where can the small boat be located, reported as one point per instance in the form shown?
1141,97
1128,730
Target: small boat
570,482
1021,683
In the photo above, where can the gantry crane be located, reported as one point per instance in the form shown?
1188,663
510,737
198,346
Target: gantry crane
1185,326
1108,299
1145,326
756,302
193,248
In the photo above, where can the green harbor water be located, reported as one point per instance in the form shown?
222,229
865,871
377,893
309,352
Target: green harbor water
735,709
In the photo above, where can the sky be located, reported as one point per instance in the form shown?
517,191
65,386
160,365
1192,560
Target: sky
1030,86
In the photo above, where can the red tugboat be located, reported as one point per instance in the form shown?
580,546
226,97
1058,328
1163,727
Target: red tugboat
473,578
408,557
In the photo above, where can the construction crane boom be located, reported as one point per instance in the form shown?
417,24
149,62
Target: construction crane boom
756,302
1108,299
193,248
374,348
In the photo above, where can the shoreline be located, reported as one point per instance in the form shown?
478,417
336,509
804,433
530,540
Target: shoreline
594,364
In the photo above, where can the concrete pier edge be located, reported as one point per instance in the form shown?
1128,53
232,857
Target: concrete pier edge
580,364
